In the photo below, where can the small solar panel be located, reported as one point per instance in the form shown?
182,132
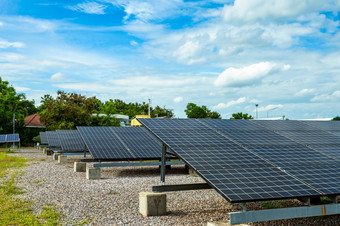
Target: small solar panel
325,178
12,138
43,138
52,139
70,141
2,138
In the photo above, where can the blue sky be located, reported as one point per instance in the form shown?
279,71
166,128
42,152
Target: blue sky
227,55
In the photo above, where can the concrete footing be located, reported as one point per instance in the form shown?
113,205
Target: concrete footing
223,223
79,166
92,173
152,204
55,156
62,159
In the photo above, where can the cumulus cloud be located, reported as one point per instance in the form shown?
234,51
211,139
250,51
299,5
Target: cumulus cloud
230,103
58,77
21,89
178,99
5,44
259,10
89,8
245,76
304,92
335,96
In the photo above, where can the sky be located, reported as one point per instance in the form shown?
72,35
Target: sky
226,55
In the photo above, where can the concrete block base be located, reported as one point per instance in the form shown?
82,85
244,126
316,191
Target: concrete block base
55,156
62,159
152,204
92,173
79,167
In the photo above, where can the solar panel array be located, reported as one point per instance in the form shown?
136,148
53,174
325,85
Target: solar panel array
255,160
120,143
52,139
9,138
70,141
43,138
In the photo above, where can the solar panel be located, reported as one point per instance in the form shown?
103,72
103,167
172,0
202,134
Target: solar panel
12,138
325,178
43,138
103,143
2,138
254,184
52,139
140,142
312,137
293,155
278,125
70,141
242,168
325,125
330,150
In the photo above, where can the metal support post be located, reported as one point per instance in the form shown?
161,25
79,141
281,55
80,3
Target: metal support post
243,205
163,163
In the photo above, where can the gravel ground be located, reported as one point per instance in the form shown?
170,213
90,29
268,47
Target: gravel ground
113,200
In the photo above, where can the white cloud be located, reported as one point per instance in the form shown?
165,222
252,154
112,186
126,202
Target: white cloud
259,10
58,77
1,24
245,76
178,99
11,57
188,52
21,89
270,107
133,43
304,92
230,103
335,96
89,8
5,44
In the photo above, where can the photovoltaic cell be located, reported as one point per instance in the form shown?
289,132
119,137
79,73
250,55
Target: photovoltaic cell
43,138
325,125
71,141
12,138
232,124
312,137
52,139
330,150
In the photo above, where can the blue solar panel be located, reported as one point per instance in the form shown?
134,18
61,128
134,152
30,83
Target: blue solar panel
2,138
12,138
231,124
71,141
43,138
312,137
278,125
52,138
325,125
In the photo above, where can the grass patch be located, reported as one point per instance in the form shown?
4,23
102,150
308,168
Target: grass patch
87,221
42,159
273,205
113,193
17,211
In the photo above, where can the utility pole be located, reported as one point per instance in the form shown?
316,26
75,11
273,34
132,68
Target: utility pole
149,107
257,116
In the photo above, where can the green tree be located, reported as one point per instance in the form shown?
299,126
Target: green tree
240,115
337,118
67,110
194,111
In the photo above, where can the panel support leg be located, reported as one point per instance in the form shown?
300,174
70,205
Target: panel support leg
163,163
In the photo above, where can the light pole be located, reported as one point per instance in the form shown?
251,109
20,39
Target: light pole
257,105
271,110
149,106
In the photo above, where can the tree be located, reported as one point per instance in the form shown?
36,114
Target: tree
68,110
194,111
337,118
240,115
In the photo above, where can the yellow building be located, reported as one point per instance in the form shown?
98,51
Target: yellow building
134,121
